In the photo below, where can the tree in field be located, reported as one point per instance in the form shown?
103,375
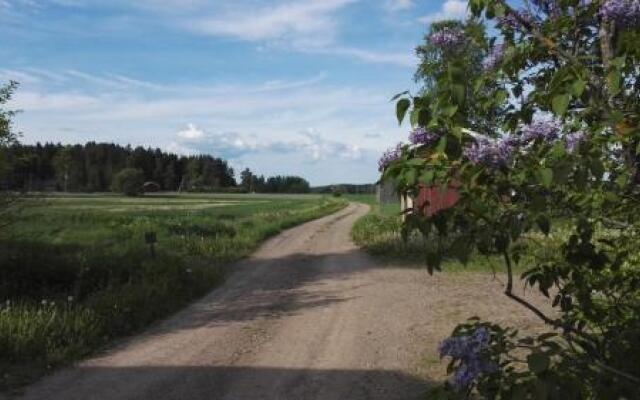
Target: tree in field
7,138
246,180
549,183
129,181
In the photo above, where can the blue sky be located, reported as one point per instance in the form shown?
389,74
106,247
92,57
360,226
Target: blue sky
281,86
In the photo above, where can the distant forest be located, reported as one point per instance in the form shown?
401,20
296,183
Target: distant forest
92,167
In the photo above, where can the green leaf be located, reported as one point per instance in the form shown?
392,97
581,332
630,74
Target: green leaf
397,96
545,177
544,224
577,87
401,109
450,111
427,177
458,93
538,362
560,104
614,79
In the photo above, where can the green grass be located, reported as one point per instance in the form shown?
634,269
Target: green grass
78,273
379,233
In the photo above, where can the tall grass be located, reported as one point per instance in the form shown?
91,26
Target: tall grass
73,280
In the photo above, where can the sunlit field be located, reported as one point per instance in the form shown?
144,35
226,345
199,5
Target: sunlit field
79,270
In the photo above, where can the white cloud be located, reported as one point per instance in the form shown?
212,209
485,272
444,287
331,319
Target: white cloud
451,9
191,133
402,59
399,5
311,20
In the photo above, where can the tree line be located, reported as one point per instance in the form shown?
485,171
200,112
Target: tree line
252,183
93,167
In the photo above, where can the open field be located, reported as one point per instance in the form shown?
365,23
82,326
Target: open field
77,271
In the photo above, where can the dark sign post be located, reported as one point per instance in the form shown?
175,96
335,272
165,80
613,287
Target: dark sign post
150,238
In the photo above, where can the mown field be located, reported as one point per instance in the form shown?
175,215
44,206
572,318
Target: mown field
77,270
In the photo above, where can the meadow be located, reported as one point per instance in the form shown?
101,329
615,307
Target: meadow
80,270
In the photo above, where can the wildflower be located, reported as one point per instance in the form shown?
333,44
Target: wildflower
422,136
471,351
70,299
494,58
447,38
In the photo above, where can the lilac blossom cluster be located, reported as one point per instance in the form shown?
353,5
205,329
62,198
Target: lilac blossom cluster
511,21
624,12
447,38
545,130
573,141
495,57
499,153
471,351
389,156
421,136
494,154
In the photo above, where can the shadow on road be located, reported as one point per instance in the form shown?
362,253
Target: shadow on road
238,383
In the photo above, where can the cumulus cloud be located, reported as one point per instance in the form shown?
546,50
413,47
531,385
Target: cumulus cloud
191,133
451,9
233,145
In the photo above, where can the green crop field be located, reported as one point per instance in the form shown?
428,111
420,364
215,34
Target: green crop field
77,270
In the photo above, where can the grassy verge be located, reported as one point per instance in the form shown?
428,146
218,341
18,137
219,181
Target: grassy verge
379,233
76,271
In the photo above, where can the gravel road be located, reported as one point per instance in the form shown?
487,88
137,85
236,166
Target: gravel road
308,316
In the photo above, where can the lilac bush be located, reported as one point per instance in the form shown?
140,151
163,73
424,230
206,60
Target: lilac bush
574,170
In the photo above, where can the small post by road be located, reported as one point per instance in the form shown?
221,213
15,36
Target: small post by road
150,238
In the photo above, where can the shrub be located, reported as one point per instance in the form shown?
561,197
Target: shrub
129,181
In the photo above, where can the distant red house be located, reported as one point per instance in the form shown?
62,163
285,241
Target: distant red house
430,200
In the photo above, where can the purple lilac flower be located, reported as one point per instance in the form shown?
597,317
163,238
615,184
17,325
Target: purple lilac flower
421,136
546,130
493,154
471,351
573,141
494,58
510,20
390,156
624,12
447,38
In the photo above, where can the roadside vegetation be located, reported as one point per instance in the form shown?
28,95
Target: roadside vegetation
81,270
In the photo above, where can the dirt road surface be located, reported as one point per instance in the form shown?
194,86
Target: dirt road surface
309,316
